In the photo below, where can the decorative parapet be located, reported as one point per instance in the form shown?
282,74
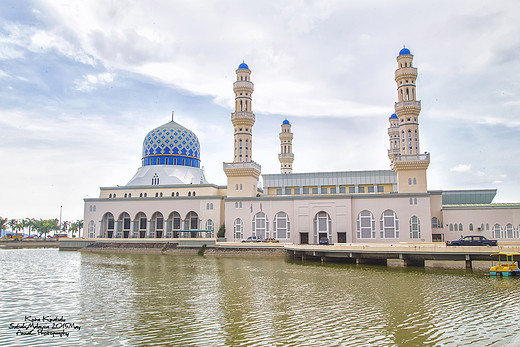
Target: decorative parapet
286,155
249,116
249,168
410,72
411,162
243,85
407,107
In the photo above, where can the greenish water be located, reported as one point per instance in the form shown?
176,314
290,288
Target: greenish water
159,300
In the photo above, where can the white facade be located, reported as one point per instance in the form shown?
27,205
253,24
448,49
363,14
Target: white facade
169,197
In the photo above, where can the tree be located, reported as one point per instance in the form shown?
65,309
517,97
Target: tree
12,224
65,226
221,231
76,227
3,222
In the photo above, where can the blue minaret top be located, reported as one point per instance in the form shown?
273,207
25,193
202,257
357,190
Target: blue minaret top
404,51
243,66
286,122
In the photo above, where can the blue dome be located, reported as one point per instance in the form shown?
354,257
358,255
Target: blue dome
286,122
404,51
393,116
171,144
243,66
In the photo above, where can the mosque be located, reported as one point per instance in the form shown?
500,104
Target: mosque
169,196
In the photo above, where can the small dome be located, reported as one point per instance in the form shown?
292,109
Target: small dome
286,122
404,51
243,66
171,144
393,116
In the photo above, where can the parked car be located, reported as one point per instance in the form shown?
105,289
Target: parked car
324,240
472,240
270,239
252,239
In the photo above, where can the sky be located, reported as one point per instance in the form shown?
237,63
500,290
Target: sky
83,82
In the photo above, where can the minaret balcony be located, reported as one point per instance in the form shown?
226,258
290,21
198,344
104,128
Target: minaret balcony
393,152
286,136
286,156
243,85
404,72
411,161
249,168
249,116
408,106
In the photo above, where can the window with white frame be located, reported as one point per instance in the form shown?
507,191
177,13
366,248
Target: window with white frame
509,231
260,225
91,229
415,228
237,229
366,225
281,226
496,231
389,225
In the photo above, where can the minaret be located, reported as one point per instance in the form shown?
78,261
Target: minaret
243,172
286,155
404,152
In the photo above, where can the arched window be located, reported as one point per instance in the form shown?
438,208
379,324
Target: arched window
260,225
91,229
366,225
470,226
177,194
189,193
451,227
460,227
415,228
191,221
209,226
237,229
509,231
281,226
496,231
322,226
456,227
389,225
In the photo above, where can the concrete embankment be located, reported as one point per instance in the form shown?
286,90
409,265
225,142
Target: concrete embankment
173,246
29,244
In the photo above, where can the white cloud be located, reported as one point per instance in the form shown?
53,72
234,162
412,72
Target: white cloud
461,168
91,82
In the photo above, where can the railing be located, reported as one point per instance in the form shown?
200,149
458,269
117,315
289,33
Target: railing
243,85
406,71
412,157
250,115
245,165
393,151
407,103
286,155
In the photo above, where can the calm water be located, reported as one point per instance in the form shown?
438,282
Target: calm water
134,300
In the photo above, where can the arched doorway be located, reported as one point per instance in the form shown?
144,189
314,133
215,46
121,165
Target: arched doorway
141,224
124,225
191,222
157,225
322,227
107,225
173,225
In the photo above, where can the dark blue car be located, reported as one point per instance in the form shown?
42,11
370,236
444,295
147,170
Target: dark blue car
473,240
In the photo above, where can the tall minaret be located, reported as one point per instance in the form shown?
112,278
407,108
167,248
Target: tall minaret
243,172
404,152
286,155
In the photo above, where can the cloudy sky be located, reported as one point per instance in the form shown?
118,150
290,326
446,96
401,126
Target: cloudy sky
82,82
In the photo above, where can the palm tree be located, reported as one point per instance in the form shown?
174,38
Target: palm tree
12,224
3,221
